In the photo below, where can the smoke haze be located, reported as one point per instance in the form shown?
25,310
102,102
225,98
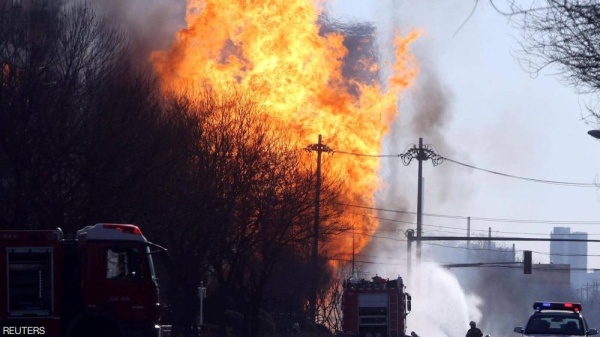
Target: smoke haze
424,112
149,24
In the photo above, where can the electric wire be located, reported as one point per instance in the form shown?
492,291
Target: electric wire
458,228
552,182
506,220
474,248
556,222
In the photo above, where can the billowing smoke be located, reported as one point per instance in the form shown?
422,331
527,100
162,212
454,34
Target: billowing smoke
425,112
360,40
148,24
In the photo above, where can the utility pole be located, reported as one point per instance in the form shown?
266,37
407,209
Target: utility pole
489,244
421,153
319,148
353,253
410,234
468,232
201,296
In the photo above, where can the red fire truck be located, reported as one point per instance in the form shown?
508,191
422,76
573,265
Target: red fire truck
101,283
376,308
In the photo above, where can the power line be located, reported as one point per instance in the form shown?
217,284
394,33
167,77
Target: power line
366,155
506,250
403,263
471,248
551,182
387,219
462,229
365,262
556,222
467,250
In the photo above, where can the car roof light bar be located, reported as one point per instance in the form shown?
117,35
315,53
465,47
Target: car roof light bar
539,306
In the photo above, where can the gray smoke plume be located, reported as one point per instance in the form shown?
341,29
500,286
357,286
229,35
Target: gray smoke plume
424,112
360,41
149,24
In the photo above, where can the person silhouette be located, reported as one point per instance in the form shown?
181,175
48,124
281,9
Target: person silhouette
474,331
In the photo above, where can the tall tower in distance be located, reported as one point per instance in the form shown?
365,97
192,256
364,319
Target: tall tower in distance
572,253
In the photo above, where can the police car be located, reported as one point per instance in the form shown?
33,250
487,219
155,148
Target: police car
556,319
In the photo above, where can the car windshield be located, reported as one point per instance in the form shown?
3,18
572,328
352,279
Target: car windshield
556,324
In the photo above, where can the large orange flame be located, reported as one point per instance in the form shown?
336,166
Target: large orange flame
274,48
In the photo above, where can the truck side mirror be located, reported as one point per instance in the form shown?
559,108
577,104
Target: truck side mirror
408,302
157,249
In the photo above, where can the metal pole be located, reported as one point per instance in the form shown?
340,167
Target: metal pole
410,237
421,153
419,198
352,275
489,244
320,148
202,296
315,247
468,232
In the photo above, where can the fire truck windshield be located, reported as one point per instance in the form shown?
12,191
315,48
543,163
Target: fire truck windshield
124,263
127,261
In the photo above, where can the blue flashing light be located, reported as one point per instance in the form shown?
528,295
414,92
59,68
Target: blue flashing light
539,306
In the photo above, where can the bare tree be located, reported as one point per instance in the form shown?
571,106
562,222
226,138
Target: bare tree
330,303
86,137
267,197
54,61
250,207
563,35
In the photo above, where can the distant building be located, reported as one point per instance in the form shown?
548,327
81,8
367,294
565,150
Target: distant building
558,275
572,253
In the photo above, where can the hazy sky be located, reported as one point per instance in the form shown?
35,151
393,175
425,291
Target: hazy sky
494,116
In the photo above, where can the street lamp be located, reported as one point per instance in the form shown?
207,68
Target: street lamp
420,153
594,133
201,296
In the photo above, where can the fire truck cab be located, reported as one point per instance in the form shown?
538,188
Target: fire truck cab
101,283
376,308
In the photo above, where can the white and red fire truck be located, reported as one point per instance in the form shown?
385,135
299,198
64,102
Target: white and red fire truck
375,308
101,283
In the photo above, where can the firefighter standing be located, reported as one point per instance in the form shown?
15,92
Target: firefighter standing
474,331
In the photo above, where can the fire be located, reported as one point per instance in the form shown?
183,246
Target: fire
274,49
